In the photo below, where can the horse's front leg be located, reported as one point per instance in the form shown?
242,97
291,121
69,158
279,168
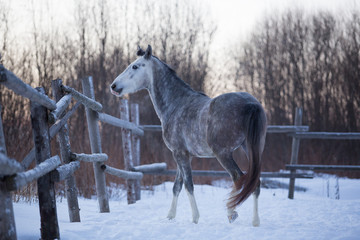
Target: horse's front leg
183,160
176,191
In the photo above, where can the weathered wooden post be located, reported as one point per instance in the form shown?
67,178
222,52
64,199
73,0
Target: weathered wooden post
127,149
2,137
135,144
7,220
295,151
64,143
46,190
337,188
95,142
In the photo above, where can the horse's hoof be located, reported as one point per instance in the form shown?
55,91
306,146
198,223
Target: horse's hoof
171,214
170,217
196,218
233,216
256,222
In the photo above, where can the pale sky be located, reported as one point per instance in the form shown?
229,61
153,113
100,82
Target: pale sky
232,16
237,18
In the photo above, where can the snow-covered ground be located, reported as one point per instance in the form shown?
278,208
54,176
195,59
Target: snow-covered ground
311,215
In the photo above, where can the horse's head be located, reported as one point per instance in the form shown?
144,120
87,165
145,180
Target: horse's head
136,76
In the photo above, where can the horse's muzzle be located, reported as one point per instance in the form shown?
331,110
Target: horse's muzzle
116,91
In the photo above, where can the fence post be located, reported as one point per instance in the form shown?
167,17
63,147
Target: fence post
46,190
95,142
135,144
7,220
64,143
295,151
127,149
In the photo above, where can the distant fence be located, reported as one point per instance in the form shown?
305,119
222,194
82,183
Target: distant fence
50,169
297,128
294,166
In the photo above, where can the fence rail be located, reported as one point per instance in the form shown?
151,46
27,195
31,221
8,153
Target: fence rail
23,178
326,135
14,83
209,173
270,128
9,166
106,118
323,167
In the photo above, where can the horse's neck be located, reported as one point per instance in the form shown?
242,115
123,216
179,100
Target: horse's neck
168,93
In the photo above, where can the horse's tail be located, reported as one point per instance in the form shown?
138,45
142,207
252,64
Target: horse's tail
255,127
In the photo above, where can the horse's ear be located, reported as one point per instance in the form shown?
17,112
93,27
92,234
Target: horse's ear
148,53
140,52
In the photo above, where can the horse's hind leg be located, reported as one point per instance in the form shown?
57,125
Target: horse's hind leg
176,191
227,162
256,219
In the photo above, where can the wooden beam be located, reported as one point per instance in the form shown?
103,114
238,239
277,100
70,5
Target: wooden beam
46,189
127,151
287,129
63,102
209,173
84,99
326,135
95,157
95,144
106,118
154,167
7,220
2,137
323,167
21,179
61,106
62,173
14,83
270,128
135,144
122,173
295,151
151,128
9,166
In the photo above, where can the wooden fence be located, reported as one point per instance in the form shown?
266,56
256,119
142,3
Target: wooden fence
50,169
294,166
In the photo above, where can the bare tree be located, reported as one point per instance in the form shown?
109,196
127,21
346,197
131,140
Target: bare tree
308,60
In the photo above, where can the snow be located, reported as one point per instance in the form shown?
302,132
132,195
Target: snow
311,215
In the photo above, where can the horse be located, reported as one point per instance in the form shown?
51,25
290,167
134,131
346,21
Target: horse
195,125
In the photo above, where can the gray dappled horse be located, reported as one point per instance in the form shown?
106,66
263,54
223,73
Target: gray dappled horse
195,125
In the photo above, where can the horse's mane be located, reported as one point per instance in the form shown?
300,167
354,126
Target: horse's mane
167,65
172,72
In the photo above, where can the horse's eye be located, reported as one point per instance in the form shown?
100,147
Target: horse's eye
134,67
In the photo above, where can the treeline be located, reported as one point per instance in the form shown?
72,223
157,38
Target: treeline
100,41
296,59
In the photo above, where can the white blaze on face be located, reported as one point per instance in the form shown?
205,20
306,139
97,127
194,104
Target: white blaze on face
137,76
